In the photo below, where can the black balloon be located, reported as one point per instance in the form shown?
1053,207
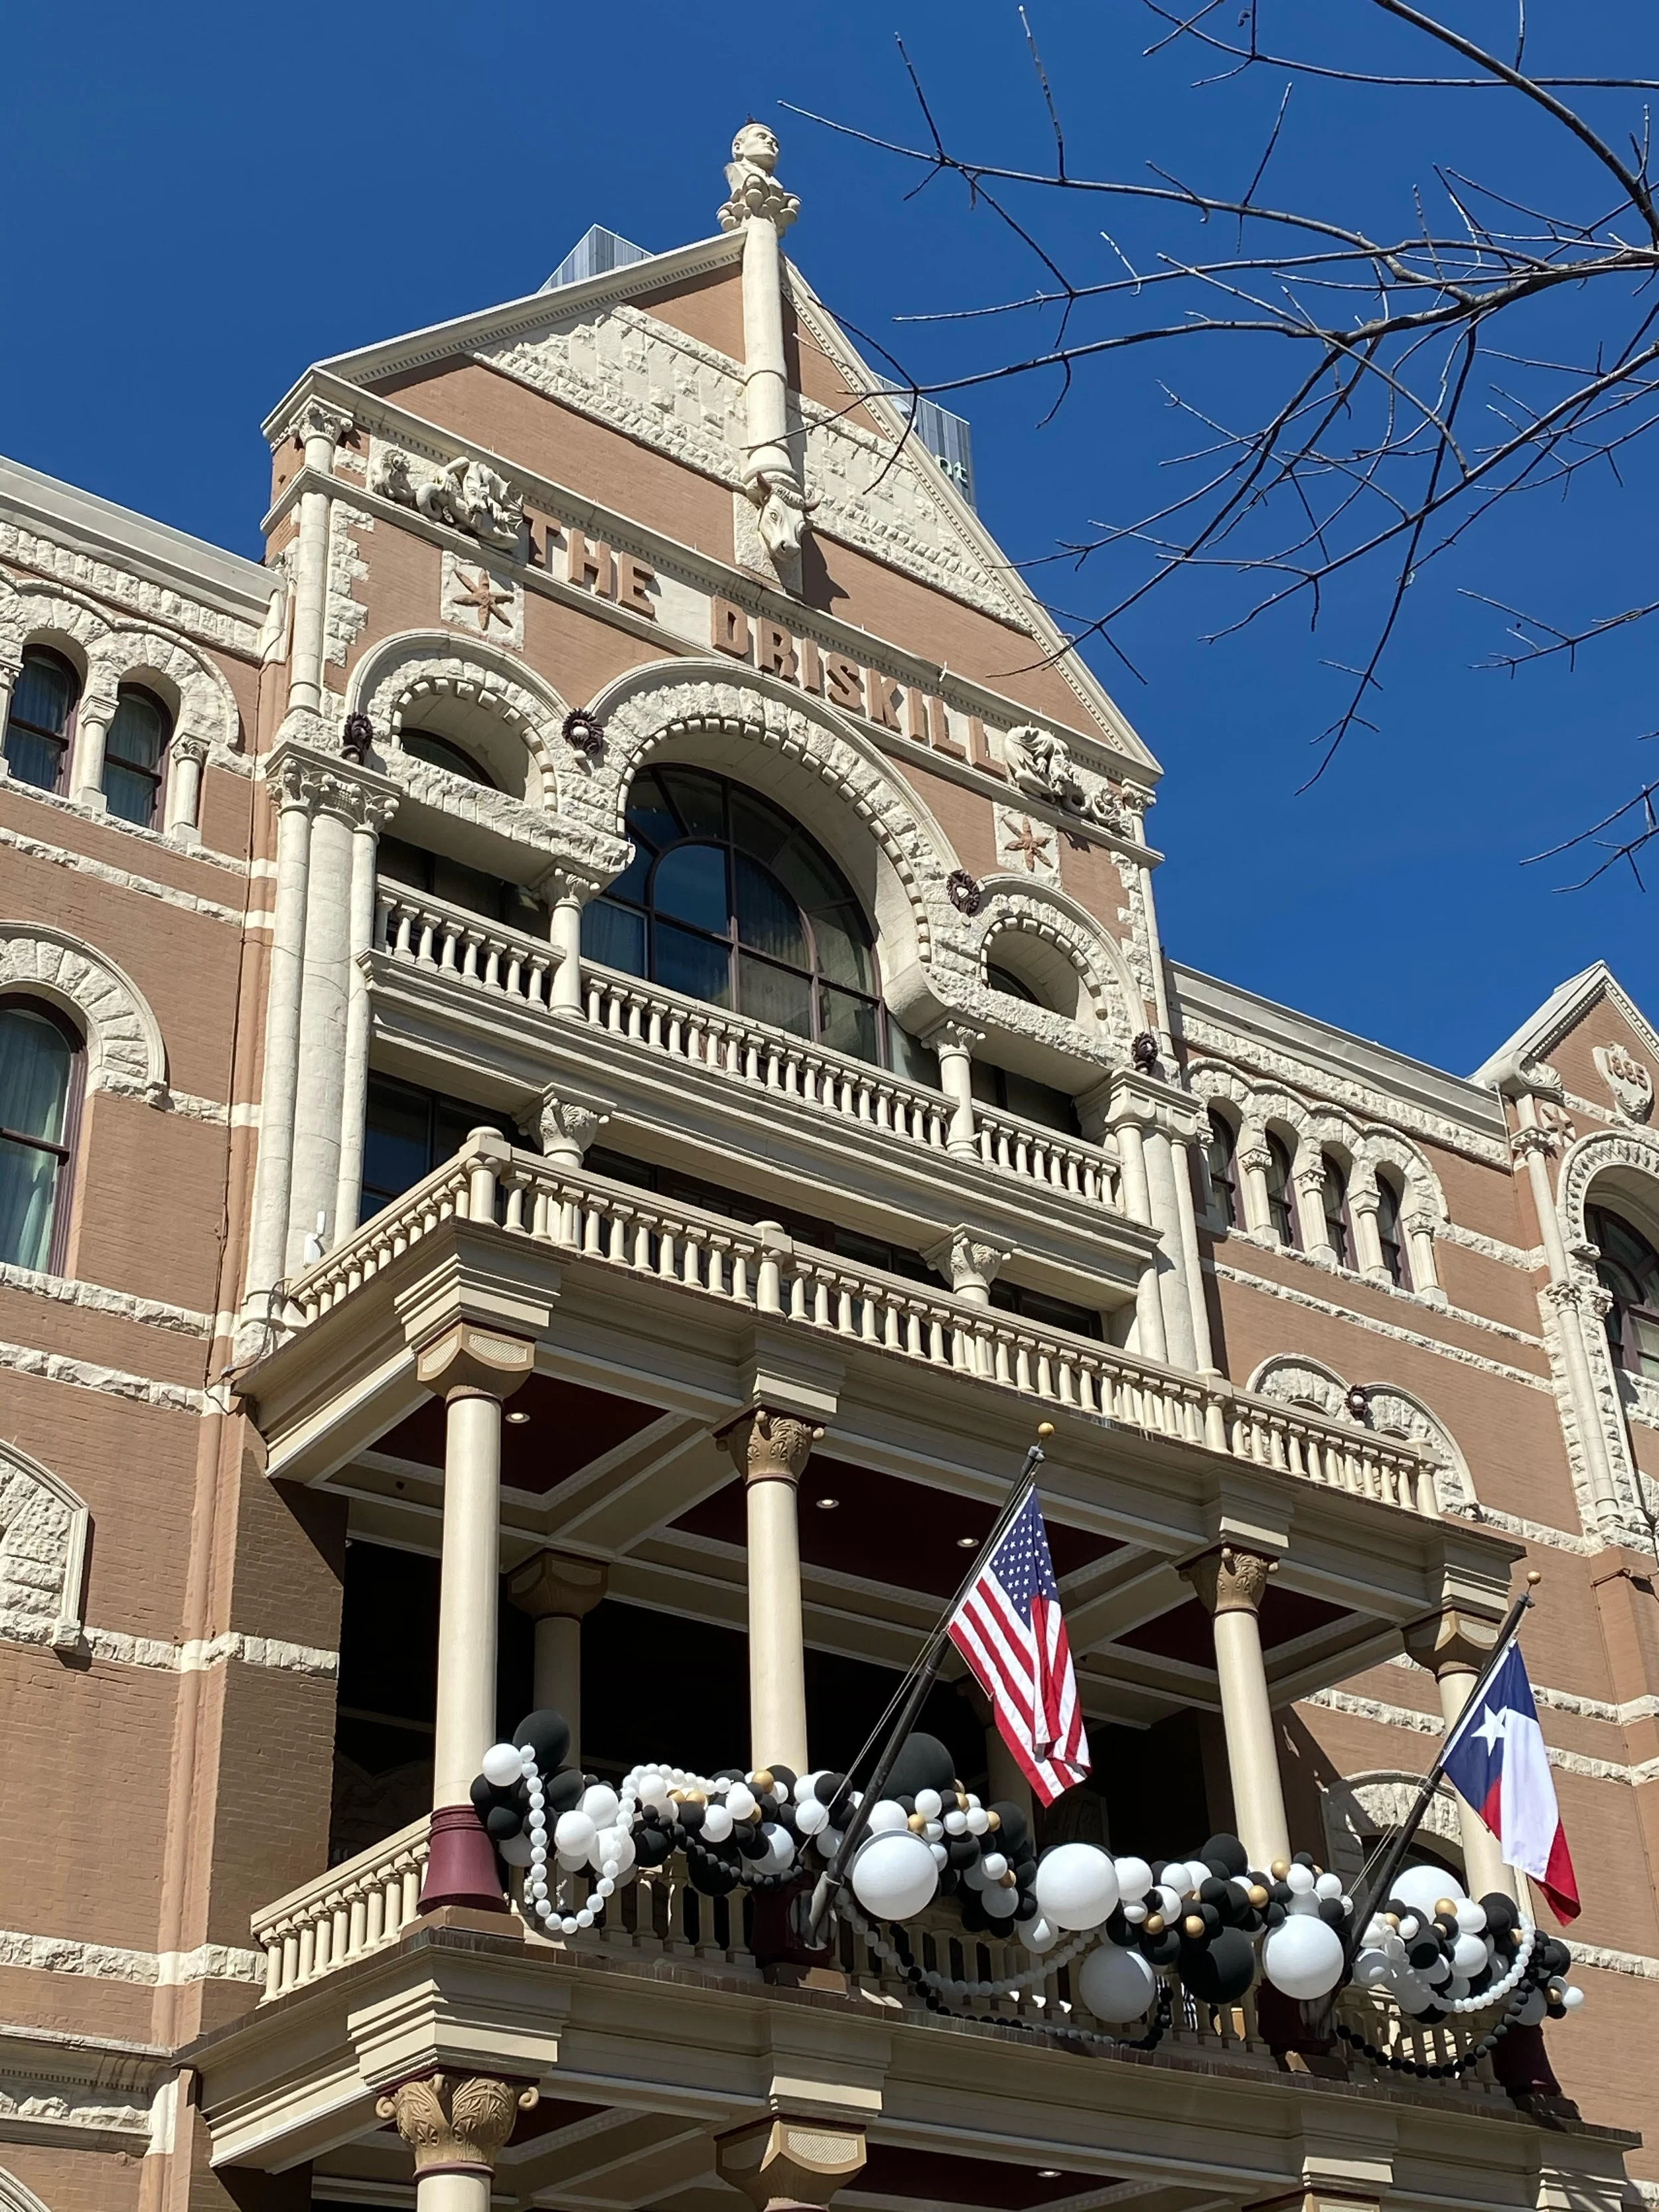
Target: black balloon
484,1796
710,1876
1220,1970
504,1821
784,1780
548,1735
1502,1914
974,1918
1015,1833
563,1791
1230,1854
923,1763
1161,1950
652,1846
961,1851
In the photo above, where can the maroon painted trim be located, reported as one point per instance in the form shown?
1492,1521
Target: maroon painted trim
461,1868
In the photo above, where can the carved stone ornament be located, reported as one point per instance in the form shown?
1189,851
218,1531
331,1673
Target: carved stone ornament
583,734
356,737
768,1447
1228,1580
1041,765
1025,846
784,507
781,2164
463,493
1627,1078
749,181
456,2123
963,891
965,1260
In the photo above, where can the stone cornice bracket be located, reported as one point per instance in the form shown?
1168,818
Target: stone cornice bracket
557,1585
769,1447
1452,1640
456,2123
786,2164
1229,1580
1129,1095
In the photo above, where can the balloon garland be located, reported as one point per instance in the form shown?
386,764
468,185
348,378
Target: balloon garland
1123,1922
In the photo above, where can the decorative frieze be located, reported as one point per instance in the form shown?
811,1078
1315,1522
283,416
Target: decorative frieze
124,588
463,493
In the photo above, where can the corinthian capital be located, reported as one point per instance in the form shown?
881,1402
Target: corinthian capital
455,2123
1525,1143
318,418
769,1447
1230,1581
965,1261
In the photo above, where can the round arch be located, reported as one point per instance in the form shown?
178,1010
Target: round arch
44,1528
46,614
1298,1379
483,698
125,1051
196,692
1109,1010
1622,1159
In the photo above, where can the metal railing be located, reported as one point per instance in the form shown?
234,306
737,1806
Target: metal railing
594,1221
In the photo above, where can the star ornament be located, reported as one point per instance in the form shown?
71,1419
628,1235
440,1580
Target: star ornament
1492,1729
484,596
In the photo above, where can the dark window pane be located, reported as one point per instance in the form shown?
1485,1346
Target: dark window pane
440,753
756,827
632,882
1047,1313
43,693
614,936
692,964
809,878
1000,979
697,798
522,909
690,884
33,759
28,1191
1037,1102
648,813
908,1056
404,864
396,1141
136,732
775,995
36,1061
129,793
768,920
469,887
843,954
454,1121
847,1024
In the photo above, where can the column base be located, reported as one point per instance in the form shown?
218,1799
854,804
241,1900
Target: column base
460,1868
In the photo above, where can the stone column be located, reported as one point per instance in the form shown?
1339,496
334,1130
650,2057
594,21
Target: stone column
1455,1646
1420,1245
455,2124
325,993
1184,1156
1364,1205
321,428
1254,1160
558,1592
1164,1190
293,785
1308,1195
93,717
1232,1584
769,1451
472,1368
9,673
785,2165
954,1044
762,210
568,894
184,816
374,810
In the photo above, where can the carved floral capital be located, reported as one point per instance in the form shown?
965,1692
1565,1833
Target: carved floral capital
769,1447
455,2123
1230,1581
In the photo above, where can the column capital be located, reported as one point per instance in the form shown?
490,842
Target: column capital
1453,1641
953,1035
318,418
465,1360
766,1446
470,1329
965,1260
566,1121
1534,1141
556,1585
456,2123
1229,1580
1131,1096
187,746
786,2164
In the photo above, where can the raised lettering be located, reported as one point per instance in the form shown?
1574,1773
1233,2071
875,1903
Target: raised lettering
730,628
881,699
943,742
634,585
775,651
846,682
979,750
811,665
589,565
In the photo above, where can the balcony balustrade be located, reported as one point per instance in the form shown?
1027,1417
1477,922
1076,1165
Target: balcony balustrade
425,933
357,1907
592,1221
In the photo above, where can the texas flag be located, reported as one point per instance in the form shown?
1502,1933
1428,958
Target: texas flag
1496,1757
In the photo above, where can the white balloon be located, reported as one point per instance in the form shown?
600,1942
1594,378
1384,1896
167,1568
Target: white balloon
613,1844
1302,1957
956,1824
941,1857
503,1764
929,1803
1372,1969
739,1800
811,1817
653,1790
516,1851
1075,1886
893,1875
1301,1881
1472,1918
1116,1985
599,1803
999,1902
1328,1885
1468,1954
806,1786
886,1816
780,1847
716,1824
574,1835
1135,1878
994,1864
1168,1901
1572,1997
1422,1887
978,1820
1039,1935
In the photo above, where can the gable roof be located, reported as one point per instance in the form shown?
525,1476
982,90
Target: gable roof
983,575
1561,1012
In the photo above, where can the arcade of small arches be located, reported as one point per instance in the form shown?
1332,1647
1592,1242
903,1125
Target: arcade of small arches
1313,1182
1385,1408
115,716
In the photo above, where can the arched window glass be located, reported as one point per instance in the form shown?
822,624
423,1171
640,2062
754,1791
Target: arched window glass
37,725
1629,1268
1004,979
134,749
1281,1208
39,1083
1333,1198
1219,1152
1389,1233
728,900
438,752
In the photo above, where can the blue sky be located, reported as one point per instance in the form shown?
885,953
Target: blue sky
205,199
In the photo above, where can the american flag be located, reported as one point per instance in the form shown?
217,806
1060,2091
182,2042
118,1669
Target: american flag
1009,1629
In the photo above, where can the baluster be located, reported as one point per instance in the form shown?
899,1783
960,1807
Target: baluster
665,1264
405,927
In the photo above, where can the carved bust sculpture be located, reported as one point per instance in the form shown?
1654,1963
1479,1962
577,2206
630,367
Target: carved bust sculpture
750,180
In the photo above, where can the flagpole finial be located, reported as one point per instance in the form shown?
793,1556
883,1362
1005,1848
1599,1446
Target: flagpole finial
1533,1577
1045,1429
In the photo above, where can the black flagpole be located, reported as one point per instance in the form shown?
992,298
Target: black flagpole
1392,1858
833,1879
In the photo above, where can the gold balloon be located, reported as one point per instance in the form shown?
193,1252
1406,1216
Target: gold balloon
1193,1925
764,1780
1153,1924
1009,1879
1258,1895
1445,1904
916,1823
992,1822
1279,1868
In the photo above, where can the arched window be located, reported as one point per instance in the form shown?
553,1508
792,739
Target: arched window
40,1064
1333,1199
1218,1150
439,752
1629,1268
1389,1232
727,899
1281,1207
134,752
38,725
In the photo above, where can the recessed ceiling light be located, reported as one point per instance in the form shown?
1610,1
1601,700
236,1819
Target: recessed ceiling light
1048,2173
967,1543
827,1505
517,1419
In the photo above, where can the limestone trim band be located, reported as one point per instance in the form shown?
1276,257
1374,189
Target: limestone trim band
1636,1775
116,1962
